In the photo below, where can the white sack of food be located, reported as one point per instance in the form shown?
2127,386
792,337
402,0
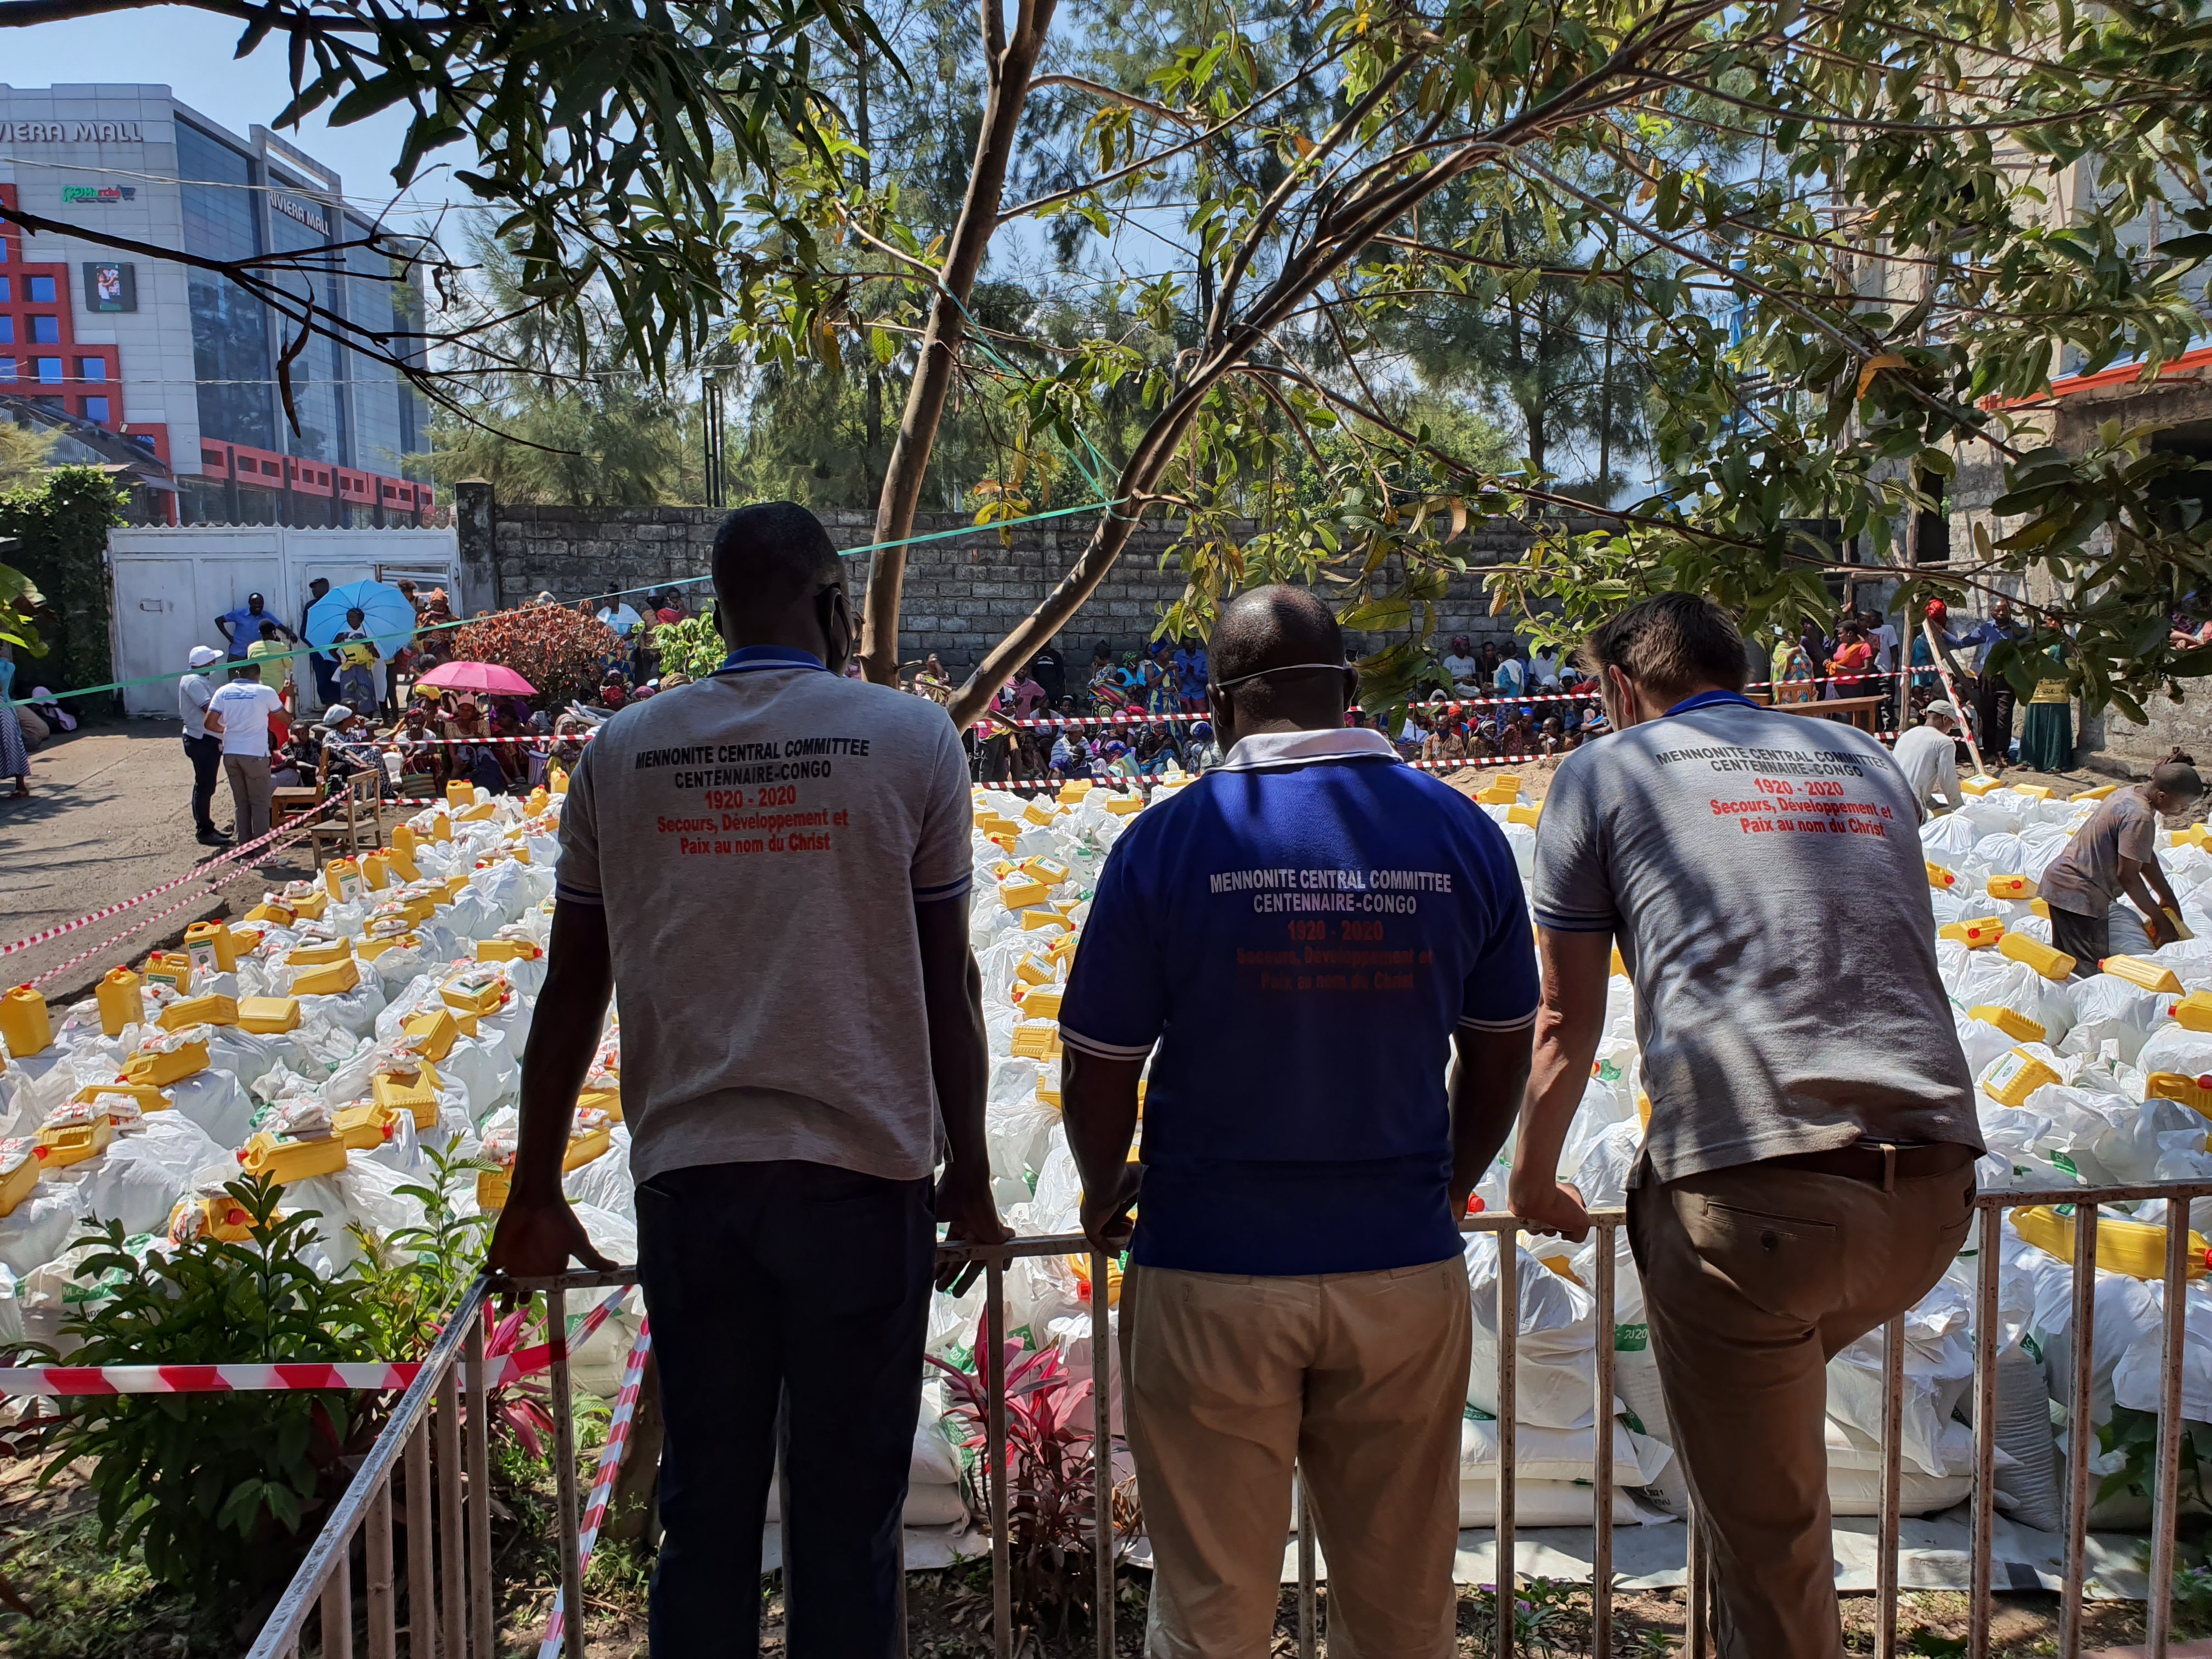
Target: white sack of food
606,1182
1549,1503
1939,1365
1557,1376
1541,1454
41,1227
364,1195
139,1178
2106,1009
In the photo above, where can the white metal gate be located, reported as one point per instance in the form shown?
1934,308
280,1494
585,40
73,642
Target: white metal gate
170,584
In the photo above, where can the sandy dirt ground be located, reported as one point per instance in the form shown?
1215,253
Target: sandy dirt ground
109,817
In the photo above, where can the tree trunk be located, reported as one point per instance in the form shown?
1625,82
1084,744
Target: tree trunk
1012,61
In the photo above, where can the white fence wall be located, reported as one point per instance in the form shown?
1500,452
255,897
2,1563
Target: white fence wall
170,584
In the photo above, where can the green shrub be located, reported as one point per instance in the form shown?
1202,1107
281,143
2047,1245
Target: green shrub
217,1489
61,522
691,647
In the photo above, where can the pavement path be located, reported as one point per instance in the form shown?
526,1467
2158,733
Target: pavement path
109,817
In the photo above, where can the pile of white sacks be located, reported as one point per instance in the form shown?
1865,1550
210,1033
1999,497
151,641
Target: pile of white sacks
2094,1081
2109,1044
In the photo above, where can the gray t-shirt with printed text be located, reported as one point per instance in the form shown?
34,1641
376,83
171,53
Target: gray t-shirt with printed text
1762,873
759,840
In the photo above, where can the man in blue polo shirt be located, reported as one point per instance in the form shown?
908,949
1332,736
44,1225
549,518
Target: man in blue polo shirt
1299,942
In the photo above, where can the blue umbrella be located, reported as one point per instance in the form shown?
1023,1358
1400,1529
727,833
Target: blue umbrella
386,617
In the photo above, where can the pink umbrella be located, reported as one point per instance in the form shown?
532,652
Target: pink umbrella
484,676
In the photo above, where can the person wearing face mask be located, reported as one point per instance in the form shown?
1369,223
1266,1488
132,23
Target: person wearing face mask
738,856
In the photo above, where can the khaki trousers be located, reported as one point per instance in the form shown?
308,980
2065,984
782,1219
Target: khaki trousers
1754,1279
1360,1380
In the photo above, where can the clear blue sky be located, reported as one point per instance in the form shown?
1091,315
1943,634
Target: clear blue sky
191,52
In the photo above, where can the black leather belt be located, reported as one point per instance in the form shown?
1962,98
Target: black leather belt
1882,1164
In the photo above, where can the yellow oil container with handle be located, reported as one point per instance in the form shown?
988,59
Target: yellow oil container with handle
121,1003
415,1093
19,1172
1036,921
1050,872
460,793
403,839
2017,887
431,1034
1499,794
2194,1092
375,872
336,980
2015,1076
143,1096
1125,805
442,827
342,876
507,950
556,781
1042,1002
1531,816
2016,1025
2033,791
1980,784
364,1126
2194,1011
318,956
1036,1039
2150,975
170,1058
1034,970
1037,813
2047,960
211,947
1975,933
285,1160
206,1009
73,1134
171,967
1938,876
2097,793
2137,1248
269,1016
24,1025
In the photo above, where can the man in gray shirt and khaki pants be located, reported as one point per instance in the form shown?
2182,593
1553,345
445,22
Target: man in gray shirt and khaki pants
1809,1171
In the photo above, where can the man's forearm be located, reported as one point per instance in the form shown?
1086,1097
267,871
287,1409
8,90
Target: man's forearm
960,1061
1490,1074
1099,1111
563,1035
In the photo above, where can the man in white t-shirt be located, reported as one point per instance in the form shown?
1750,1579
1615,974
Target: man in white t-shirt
770,867
238,715
1544,666
1927,756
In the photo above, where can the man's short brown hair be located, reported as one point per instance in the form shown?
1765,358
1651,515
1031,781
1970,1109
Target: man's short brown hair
1669,645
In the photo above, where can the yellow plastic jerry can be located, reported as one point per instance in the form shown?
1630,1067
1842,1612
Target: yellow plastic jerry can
121,1003
2048,961
2137,1248
2016,1025
211,947
2015,1077
24,1025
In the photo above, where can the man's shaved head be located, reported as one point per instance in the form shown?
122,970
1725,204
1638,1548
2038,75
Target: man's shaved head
1277,628
778,580
770,556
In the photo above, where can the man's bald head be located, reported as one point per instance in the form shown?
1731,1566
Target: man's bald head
1277,657
778,580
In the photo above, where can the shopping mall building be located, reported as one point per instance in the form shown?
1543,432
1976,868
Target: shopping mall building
171,370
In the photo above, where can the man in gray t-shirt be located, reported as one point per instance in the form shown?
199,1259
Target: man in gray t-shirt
2116,854
1808,1173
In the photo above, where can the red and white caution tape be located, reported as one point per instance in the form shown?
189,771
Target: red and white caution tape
197,872
20,1382
291,831
603,1483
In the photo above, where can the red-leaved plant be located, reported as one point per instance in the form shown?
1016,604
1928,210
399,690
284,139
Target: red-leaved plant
1050,1495
525,1404
557,650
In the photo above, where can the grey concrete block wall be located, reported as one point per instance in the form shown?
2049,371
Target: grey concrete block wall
964,591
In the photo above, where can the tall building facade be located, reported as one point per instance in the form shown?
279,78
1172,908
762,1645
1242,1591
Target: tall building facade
180,361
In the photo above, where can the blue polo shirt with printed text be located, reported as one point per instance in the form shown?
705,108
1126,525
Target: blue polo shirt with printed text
1293,939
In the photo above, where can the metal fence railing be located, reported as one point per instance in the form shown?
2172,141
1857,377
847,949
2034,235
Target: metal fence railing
450,1592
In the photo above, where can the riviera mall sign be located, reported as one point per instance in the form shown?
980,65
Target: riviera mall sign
72,132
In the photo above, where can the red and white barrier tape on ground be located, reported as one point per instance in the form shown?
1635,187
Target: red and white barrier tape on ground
603,1483
21,1382
197,872
290,832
